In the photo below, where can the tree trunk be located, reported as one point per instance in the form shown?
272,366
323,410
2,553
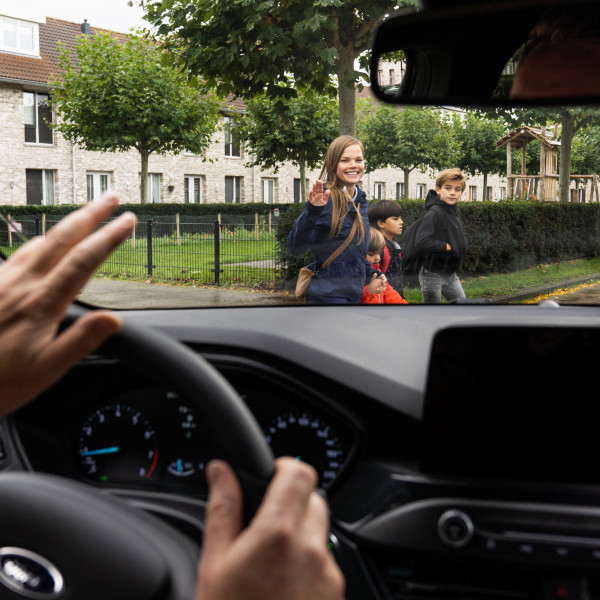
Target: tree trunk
406,174
302,179
485,190
347,98
144,177
566,143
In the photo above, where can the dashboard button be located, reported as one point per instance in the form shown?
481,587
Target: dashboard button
455,528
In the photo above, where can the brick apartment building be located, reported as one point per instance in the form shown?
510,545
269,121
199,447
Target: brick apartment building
40,167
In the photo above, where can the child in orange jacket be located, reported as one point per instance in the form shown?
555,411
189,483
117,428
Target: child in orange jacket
373,292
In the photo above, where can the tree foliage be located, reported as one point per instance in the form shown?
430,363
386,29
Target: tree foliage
249,47
476,136
296,130
408,138
114,95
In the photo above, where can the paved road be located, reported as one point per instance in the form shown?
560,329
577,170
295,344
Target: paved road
586,295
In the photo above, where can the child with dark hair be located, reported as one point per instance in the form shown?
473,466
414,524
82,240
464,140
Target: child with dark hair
378,292
386,216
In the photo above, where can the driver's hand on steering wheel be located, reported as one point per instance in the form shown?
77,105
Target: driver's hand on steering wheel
37,284
283,553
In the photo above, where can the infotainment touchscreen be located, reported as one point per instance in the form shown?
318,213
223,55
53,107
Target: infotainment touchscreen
514,403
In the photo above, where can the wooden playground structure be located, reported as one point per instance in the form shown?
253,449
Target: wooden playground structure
544,185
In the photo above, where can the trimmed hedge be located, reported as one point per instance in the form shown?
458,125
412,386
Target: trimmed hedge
223,208
503,236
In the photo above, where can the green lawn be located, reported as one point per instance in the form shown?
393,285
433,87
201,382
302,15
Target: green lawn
497,285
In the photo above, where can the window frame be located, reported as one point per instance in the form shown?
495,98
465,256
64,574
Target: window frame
187,188
18,48
232,140
268,182
38,119
48,185
152,188
236,189
97,188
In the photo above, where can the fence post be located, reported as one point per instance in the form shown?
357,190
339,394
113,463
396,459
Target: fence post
10,232
217,238
37,226
149,266
44,224
177,228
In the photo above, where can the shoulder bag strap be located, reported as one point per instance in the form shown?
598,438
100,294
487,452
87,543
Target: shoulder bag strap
344,244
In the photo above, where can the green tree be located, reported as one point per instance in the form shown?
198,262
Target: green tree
476,137
296,130
247,47
406,138
114,95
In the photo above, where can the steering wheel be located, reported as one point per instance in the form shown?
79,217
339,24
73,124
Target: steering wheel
59,537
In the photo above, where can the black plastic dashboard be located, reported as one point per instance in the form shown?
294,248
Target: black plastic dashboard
378,401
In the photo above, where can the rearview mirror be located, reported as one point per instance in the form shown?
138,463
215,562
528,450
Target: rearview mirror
463,53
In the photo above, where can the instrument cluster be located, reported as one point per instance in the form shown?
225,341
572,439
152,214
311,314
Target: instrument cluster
106,425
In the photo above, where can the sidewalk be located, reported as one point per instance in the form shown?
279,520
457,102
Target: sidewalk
122,294
119,294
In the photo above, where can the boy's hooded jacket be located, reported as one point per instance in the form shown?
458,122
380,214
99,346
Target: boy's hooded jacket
437,231
341,282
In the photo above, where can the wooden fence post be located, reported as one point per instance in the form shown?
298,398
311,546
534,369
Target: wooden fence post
9,232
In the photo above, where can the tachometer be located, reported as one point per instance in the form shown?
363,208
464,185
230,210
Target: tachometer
117,443
308,438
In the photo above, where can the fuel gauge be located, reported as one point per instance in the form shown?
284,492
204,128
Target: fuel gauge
181,468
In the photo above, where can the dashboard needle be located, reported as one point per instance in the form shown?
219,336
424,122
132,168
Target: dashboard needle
109,450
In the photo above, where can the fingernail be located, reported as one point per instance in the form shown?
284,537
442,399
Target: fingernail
213,472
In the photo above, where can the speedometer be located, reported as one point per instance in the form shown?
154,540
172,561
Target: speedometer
117,443
310,439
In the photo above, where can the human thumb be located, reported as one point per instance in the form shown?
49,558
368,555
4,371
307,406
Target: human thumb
224,510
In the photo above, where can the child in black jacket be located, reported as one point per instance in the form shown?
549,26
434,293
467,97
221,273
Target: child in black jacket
386,216
442,241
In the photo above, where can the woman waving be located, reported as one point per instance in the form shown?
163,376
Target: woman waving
334,211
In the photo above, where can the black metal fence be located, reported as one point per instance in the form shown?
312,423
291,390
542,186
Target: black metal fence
211,250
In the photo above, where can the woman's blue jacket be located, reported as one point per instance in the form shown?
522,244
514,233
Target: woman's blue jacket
340,282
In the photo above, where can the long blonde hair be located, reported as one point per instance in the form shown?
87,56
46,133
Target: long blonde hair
340,199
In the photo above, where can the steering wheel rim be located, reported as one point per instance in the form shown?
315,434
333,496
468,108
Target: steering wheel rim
57,520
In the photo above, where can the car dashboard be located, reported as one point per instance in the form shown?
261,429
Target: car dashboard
456,444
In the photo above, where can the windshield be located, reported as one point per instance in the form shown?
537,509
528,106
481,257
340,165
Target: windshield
236,189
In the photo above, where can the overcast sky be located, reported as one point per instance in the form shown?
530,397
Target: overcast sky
108,14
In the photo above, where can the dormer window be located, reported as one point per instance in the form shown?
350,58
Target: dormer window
21,37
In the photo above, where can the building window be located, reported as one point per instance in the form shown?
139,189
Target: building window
38,116
472,193
399,191
19,36
502,191
193,189
421,190
40,186
379,190
490,193
153,189
233,189
298,190
267,190
232,139
97,184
